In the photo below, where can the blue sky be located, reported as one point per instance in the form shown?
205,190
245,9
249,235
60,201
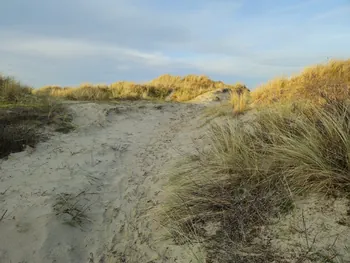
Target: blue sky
68,42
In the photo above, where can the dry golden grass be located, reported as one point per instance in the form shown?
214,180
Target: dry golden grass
318,84
166,80
118,90
85,91
166,86
240,99
129,90
188,87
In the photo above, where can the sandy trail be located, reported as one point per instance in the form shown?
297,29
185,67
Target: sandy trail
84,196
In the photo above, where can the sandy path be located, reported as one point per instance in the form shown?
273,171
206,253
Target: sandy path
111,170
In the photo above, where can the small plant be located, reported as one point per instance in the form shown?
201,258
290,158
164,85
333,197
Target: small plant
71,209
240,98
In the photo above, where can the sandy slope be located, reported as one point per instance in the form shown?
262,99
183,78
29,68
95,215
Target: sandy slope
87,196
110,169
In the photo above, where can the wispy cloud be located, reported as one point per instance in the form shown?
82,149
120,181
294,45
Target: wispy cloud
107,40
70,48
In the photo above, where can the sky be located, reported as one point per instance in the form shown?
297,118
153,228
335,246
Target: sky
68,42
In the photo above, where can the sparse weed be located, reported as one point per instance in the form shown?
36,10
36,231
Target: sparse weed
72,209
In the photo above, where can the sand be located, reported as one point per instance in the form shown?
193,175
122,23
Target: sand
85,196
90,195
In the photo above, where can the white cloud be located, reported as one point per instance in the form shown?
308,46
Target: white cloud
62,52
69,48
139,39
244,67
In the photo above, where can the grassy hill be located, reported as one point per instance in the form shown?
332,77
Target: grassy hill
168,87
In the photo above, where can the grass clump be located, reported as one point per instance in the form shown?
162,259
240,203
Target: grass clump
317,84
249,173
12,91
85,91
24,125
188,87
23,114
133,91
14,138
89,92
118,90
240,99
72,209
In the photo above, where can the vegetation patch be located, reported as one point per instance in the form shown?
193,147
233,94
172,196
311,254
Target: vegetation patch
72,209
165,87
253,168
23,116
14,138
317,84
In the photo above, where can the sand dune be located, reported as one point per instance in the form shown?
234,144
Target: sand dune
85,196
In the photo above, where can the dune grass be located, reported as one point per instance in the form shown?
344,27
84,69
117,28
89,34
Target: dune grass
318,84
295,141
188,87
168,87
23,114
250,172
118,90
240,99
